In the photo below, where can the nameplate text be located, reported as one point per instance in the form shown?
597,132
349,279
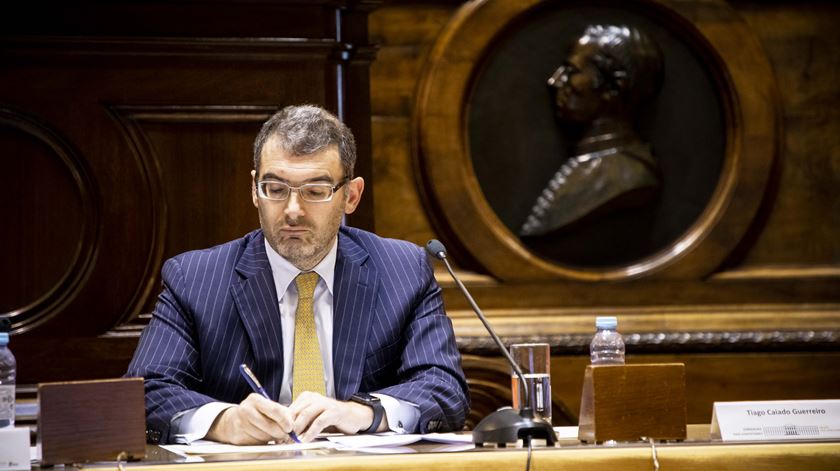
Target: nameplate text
776,420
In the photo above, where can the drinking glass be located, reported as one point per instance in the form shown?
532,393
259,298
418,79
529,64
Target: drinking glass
534,359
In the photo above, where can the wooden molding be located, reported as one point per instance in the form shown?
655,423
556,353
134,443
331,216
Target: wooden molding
775,272
699,318
195,113
661,329
227,49
67,287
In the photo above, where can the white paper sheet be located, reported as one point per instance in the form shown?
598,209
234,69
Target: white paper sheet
388,442
566,433
374,440
206,447
448,437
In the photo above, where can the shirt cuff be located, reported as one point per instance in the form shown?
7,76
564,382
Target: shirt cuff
402,416
193,424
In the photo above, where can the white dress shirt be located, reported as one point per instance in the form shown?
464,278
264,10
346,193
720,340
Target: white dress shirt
402,416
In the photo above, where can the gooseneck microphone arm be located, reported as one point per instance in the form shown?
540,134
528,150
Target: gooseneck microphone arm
437,250
504,425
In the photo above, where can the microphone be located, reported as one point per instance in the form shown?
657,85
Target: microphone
505,425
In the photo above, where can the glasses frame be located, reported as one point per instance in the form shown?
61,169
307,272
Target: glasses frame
333,188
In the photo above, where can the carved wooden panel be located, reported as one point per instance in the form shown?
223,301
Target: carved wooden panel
754,312
709,378
46,177
126,133
758,269
452,86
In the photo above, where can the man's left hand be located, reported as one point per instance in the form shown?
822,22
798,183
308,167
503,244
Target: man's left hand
314,413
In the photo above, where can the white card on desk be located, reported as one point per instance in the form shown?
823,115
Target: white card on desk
14,448
776,420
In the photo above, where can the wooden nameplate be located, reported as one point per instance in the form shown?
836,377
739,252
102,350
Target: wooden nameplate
627,402
99,420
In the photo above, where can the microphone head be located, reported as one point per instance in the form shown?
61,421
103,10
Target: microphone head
435,248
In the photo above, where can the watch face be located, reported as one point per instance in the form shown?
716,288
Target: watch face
365,398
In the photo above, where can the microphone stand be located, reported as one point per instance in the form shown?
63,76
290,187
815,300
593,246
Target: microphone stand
504,425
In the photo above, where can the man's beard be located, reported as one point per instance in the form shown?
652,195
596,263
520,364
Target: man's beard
303,253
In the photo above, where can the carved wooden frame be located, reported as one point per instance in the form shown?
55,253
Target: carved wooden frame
751,115
70,283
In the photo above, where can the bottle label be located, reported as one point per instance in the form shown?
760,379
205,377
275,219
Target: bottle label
7,402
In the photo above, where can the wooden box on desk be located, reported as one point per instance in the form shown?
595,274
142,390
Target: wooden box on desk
627,402
98,420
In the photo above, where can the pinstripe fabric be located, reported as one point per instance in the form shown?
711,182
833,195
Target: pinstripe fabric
218,308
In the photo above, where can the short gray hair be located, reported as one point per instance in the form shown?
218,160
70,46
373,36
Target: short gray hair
308,129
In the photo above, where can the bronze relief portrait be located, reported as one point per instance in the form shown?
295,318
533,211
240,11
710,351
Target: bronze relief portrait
596,135
607,142
610,70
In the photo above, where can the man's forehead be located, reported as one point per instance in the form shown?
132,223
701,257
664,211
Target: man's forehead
274,158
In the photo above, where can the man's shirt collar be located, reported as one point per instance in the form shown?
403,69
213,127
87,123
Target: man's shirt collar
284,272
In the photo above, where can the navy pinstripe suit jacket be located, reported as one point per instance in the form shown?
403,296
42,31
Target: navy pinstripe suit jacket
219,308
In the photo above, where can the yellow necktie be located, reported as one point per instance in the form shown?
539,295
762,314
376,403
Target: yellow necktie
308,366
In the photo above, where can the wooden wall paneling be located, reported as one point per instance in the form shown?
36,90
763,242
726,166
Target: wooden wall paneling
92,138
404,35
405,32
141,149
784,290
173,18
201,156
722,377
747,91
764,324
40,278
353,86
129,155
799,238
710,378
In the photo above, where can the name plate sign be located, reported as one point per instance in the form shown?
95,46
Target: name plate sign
776,420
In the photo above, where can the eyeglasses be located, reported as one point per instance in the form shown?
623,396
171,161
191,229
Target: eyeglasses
311,192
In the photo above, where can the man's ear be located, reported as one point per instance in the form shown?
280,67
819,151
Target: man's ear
254,198
616,84
354,189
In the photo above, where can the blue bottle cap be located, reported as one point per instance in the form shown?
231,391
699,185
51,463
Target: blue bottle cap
4,338
606,322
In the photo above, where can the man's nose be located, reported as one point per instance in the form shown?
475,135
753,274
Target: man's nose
559,77
293,207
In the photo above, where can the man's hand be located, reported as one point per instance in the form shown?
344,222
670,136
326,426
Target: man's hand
314,413
255,420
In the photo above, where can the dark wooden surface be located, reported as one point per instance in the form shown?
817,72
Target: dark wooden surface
627,402
92,421
740,320
126,132
788,255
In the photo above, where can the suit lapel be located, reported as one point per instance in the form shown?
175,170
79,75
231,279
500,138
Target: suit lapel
256,300
353,308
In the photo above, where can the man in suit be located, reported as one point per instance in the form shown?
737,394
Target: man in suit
345,330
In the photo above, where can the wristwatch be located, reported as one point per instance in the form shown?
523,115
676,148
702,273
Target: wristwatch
375,404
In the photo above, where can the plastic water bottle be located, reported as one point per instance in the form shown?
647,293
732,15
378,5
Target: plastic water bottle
8,370
607,347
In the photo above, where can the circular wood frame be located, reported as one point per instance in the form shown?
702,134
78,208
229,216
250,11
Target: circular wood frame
747,91
70,283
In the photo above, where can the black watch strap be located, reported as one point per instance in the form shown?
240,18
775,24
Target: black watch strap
375,404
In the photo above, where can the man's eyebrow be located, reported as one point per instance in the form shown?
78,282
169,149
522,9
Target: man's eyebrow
317,179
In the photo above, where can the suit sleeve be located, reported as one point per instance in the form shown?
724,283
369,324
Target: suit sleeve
430,373
167,358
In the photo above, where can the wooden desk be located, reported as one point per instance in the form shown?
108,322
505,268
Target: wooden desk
697,453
